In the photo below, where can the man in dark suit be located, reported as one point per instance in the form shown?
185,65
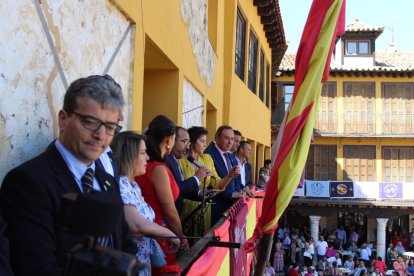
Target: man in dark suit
189,188
242,154
225,164
5,269
236,141
30,197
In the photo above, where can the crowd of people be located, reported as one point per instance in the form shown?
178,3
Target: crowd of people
159,177
342,252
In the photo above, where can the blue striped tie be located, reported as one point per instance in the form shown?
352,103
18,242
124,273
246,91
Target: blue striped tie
87,187
228,161
87,181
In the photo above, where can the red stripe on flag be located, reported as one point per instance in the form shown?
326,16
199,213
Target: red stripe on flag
324,23
293,129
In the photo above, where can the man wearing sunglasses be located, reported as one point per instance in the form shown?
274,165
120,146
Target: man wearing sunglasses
30,196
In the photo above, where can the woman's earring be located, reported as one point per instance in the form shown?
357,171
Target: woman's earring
168,147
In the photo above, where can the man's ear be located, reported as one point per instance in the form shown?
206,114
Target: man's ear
63,116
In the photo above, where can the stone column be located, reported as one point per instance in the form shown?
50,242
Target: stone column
381,246
314,228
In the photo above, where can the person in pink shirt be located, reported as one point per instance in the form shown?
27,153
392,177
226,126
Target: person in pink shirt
400,266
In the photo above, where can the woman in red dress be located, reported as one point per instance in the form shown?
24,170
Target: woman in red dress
395,238
158,186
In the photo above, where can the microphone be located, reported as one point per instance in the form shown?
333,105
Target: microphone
192,160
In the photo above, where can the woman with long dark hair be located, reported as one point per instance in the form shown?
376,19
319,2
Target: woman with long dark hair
158,185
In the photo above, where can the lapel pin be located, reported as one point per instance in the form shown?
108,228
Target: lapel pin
107,183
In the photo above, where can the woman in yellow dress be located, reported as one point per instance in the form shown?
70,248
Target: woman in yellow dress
198,144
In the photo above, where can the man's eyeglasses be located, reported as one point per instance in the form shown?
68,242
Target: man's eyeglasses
185,142
92,123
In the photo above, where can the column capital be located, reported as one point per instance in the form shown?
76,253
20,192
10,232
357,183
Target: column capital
382,220
315,219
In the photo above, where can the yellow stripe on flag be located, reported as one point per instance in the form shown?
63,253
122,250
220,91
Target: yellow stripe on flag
291,168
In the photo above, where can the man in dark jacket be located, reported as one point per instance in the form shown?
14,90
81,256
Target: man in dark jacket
30,197
189,188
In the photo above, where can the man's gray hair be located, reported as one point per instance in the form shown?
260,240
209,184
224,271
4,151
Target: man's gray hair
102,89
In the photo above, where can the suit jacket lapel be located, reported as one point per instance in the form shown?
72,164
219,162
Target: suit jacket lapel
221,167
63,174
173,165
105,180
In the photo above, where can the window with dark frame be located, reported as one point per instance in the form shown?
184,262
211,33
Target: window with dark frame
240,45
357,48
261,78
321,163
288,90
268,80
280,100
252,75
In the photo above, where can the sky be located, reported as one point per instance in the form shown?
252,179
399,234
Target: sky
396,14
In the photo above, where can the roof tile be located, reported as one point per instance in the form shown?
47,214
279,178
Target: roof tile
388,60
358,26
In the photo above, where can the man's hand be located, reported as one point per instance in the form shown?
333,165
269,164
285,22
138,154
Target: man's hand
248,192
235,171
174,245
209,193
237,194
184,244
202,172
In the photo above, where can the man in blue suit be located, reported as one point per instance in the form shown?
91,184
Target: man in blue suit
189,188
226,164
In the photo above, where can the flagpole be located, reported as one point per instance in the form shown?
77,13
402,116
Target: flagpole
326,21
263,253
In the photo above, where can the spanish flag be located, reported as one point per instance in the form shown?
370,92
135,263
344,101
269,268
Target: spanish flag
326,21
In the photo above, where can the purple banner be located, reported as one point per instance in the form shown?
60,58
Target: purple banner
390,190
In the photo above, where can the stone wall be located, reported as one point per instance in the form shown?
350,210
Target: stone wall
194,13
44,46
193,106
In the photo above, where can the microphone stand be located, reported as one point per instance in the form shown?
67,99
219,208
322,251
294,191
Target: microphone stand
202,211
201,217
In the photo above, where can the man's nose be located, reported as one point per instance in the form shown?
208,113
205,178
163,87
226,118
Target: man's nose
100,133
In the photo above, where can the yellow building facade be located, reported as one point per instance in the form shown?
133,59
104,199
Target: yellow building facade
185,59
363,135
364,127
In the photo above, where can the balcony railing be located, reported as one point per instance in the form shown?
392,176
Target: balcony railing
364,123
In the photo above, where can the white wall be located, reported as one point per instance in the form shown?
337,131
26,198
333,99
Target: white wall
84,35
193,106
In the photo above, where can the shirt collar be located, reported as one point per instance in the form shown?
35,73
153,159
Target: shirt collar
77,167
240,162
221,152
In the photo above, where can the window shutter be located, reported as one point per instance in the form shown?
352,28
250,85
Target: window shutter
359,163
